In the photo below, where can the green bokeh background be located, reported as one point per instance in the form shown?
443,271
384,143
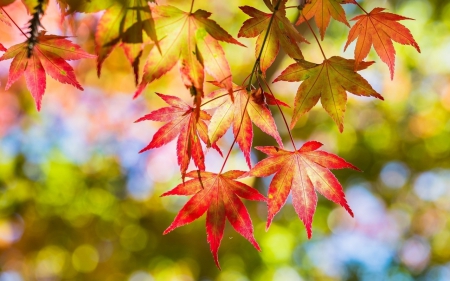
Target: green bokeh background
77,201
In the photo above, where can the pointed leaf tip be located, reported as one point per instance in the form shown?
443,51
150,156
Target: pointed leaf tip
301,173
379,29
49,57
310,146
282,33
218,196
328,82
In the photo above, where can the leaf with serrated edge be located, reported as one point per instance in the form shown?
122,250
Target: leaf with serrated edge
233,113
281,33
128,23
186,123
379,29
218,196
301,173
322,11
190,38
329,82
49,56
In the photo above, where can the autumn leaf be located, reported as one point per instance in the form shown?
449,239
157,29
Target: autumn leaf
2,48
49,56
379,29
182,122
322,11
128,23
218,196
281,32
328,82
237,112
302,171
192,39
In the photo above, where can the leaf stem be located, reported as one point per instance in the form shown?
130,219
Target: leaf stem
192,6
317,40
235,138
282,114
6,13
213,99
249,86
221,96
258,59
357,4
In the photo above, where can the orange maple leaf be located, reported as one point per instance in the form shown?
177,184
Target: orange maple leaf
379,29
282,32
241,115
322,11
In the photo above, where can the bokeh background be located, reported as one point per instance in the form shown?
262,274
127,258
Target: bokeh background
77,201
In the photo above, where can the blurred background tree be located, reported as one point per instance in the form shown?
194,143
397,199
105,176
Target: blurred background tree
77,202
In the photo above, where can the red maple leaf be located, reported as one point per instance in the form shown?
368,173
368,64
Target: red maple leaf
218,195
379,29
281,32
302,171
186,123
49,56
241,115
322,11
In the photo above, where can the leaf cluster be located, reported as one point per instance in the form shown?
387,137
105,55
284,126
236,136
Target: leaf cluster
190,40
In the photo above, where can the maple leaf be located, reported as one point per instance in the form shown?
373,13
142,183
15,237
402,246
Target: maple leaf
238,112
192,39
303,171
379,29
218,195
130,23
186,123
322,11
2,48
281,32
49,56
328,82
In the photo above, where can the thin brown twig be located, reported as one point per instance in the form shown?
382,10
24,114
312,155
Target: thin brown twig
282,114
249,86
317,39
10,18
192,6
357,4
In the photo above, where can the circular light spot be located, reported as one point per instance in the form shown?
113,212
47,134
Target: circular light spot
394,174
85,258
